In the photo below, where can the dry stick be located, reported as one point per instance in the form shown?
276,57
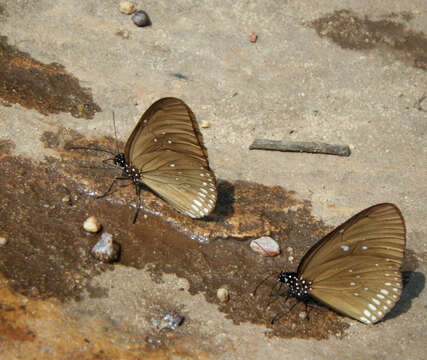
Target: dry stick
303,146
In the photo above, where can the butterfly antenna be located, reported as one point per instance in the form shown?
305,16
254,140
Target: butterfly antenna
253,293
115,133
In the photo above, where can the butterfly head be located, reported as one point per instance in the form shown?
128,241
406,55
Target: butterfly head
119,160
298,286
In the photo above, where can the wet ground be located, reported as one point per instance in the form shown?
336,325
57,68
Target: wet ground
51,175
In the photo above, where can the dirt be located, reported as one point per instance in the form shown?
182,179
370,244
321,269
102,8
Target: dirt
350,31
48,88
316,73
49,252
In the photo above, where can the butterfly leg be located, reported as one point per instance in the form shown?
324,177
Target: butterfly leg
281,312
138,202
111,186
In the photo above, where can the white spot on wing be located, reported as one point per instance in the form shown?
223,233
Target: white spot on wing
365,320
198,203
344,247
367,313
364,248
376,301
372,307
385,292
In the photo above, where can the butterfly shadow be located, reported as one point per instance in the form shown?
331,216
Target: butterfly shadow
413,285
224,207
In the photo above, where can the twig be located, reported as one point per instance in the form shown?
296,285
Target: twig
419,103
301,146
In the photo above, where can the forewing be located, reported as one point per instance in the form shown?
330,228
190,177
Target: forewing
377,231
167,124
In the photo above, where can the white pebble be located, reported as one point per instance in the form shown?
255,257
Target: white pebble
92,224
106,250
302,315
126,7
291,259
265,246
66,199
290,250
171,321
3,241
205,124
222,294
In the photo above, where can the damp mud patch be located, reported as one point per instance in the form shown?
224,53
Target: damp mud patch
47,88
44,204
393,38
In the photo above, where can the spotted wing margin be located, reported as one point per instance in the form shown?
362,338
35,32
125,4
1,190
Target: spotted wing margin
378,231
189,192
363,287
167,147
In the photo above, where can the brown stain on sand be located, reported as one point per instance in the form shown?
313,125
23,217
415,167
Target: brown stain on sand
351,31
47,88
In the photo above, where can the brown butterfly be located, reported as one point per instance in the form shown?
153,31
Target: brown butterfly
165,152
355,269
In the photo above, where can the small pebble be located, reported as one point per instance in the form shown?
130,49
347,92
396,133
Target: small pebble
302,315
122,33
171,321
106,250
222,294
290,250
3,241
92,224
265,246
141,19
67,199
253,37
126,7
291,259
205,124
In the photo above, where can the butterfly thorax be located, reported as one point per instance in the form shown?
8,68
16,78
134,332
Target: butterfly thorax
128,170
298,286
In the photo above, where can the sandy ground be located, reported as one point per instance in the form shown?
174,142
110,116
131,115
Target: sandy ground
330,81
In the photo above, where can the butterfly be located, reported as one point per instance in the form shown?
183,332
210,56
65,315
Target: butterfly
166,153
355,269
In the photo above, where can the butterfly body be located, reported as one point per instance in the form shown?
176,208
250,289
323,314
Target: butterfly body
128,170
166,153
298,286
355,269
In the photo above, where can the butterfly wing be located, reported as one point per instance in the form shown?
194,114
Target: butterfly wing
356,268
167,147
